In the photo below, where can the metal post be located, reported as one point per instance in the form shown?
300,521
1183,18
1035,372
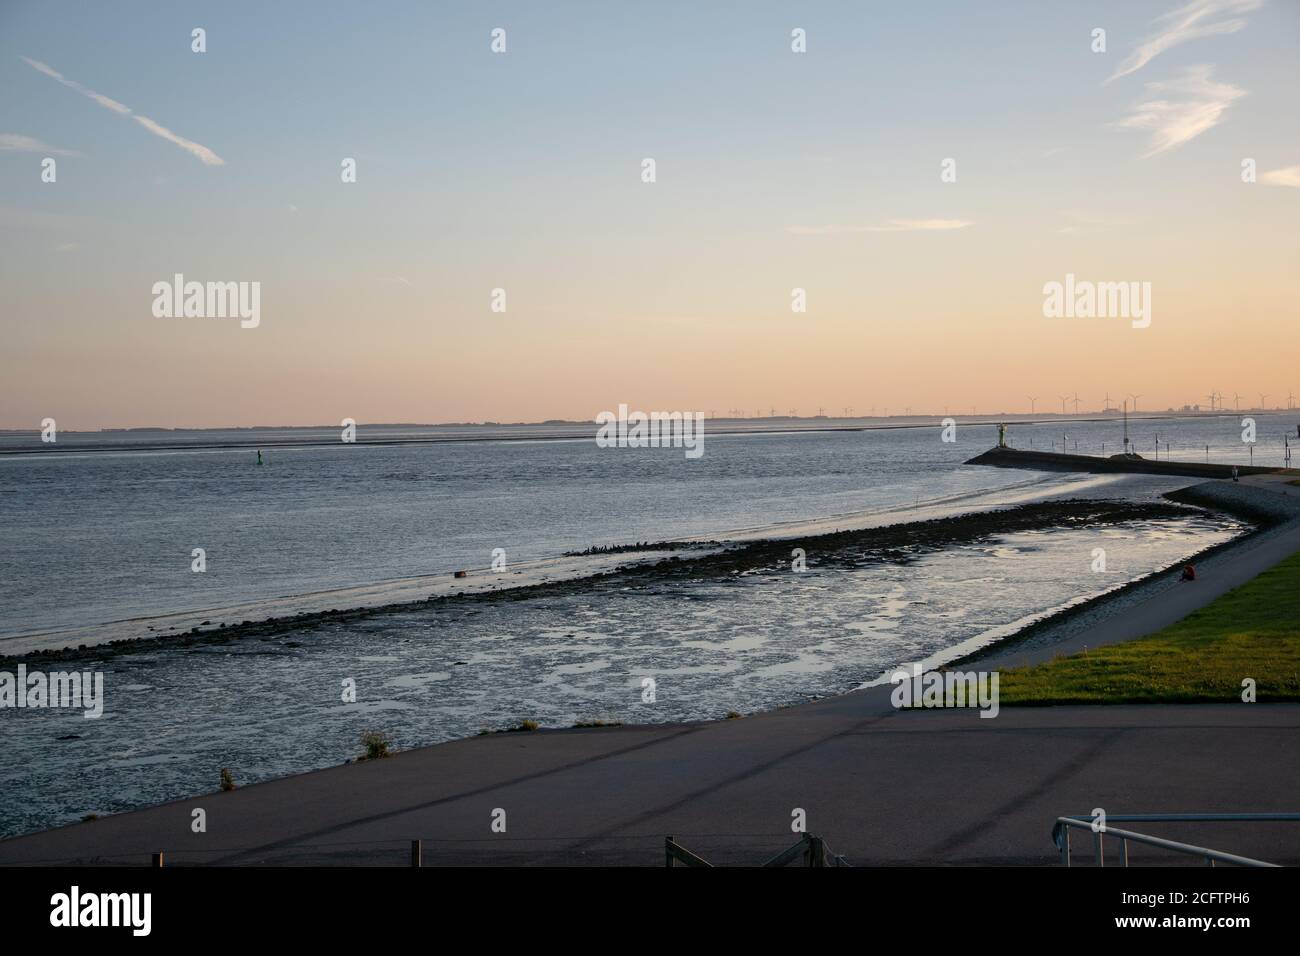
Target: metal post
1099,849
416,856
816,851
157,860
1123,852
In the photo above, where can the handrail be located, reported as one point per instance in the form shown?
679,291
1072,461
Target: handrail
1192,817
1061,834
811,848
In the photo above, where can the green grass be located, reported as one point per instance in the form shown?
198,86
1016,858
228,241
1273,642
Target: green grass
377,745
1252,631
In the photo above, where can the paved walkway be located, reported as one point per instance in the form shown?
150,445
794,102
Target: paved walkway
882,786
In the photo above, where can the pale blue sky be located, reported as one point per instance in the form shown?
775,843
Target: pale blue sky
476,171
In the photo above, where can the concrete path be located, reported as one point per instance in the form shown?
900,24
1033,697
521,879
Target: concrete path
882,786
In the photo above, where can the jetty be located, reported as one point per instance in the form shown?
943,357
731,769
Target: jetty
1003,457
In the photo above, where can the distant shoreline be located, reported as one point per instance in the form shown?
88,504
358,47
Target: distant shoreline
575,431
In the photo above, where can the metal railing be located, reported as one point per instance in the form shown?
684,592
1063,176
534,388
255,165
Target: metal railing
1063,826
810,851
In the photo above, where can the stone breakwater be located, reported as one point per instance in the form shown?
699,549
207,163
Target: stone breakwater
1093,464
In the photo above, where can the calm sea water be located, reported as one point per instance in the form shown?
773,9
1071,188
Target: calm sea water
90,538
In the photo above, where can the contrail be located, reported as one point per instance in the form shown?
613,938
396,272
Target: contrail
197,150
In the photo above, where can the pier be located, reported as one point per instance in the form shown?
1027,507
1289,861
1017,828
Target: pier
1001,457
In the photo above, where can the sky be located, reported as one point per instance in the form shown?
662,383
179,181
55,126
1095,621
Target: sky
775,170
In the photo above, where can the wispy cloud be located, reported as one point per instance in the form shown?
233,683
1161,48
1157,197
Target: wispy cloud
18,143
1090,221
197,150
1181,109
1288,176
99,98
400,280
893,225
1200,18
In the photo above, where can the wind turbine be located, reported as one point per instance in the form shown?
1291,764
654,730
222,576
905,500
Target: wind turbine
1290,400
1106,403
1236,397
1262,396
1211,397
1135,401
1032,399
1076,403
1064,399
